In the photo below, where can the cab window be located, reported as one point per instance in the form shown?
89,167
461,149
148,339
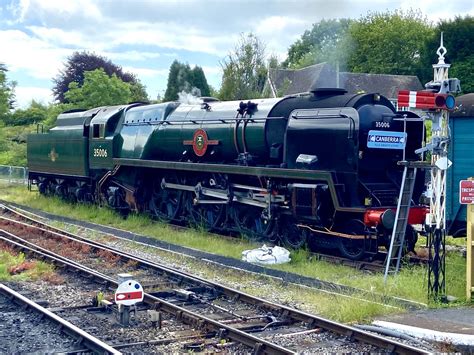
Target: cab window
98,130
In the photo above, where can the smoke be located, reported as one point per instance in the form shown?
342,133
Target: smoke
190,97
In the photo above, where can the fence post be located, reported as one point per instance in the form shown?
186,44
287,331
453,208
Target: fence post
469,253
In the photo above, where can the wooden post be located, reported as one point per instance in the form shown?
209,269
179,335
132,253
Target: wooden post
469,252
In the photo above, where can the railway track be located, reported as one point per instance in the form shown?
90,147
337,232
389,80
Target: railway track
33,216
373,265
83,341
260,325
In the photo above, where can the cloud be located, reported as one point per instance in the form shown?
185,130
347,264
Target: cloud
146,72
24,95
25,53
132,55
55,11
147,35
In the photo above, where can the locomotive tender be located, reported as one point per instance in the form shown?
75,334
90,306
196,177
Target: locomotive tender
295,170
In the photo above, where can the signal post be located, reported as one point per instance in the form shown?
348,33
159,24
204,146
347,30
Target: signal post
436,101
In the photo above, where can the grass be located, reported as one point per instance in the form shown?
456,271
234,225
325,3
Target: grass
410,283
13,144
15,267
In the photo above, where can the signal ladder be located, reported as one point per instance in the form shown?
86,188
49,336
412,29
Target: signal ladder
392,263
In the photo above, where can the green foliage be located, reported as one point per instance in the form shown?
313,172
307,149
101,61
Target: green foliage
389,43
7,95
13,144
463,70
98,89
35,270
320,44
213,92
138,92
244,70
80,62
182,78
35,113
458,37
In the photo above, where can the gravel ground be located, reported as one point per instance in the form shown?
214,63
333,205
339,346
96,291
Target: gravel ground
190,265
74,292
314,342
25,331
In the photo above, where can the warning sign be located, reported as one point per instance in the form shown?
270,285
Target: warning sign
466,191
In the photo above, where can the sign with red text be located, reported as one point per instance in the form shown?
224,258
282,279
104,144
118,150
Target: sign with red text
466,192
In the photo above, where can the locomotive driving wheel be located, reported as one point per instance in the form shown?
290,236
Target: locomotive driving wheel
165,203
209,216
411,237
292,236
350,248
251,222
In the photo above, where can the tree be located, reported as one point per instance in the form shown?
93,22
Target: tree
458,35
178,76
98,89
199,81
317,45
80,62
389,43
7,92
35,113
182,78
244,70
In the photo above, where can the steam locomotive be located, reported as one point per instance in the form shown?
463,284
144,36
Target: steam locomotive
303,169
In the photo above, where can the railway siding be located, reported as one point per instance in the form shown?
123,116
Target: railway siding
119,235
235,334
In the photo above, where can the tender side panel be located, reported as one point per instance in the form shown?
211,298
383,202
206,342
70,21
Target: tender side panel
62,153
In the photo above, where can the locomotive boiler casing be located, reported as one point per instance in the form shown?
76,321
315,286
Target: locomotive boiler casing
171,132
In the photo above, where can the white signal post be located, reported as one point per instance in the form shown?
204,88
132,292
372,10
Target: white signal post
437,102
436,219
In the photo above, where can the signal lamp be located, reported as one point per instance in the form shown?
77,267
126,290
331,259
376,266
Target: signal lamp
444,101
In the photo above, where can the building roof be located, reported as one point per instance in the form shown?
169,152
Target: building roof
287,82
465,106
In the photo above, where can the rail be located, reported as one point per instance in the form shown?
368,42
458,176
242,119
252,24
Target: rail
92,343
233,333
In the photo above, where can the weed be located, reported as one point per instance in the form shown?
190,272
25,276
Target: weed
22,267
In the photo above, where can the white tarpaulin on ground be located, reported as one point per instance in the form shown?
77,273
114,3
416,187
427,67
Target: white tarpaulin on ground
266,255
429,334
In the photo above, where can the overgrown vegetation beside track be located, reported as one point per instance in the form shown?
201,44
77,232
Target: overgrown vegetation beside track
15,267
409,284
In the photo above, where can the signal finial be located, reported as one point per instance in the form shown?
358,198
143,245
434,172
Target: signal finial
441,52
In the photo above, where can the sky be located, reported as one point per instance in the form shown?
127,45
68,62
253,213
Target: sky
145,36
